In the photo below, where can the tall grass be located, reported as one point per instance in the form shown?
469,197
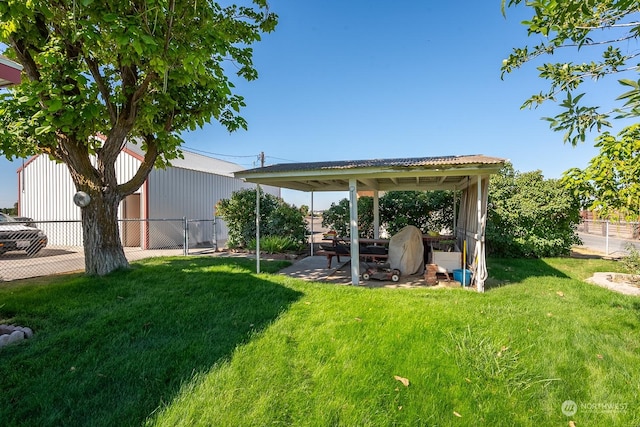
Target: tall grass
204,342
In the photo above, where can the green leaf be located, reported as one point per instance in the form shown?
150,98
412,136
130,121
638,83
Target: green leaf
43,129
54,105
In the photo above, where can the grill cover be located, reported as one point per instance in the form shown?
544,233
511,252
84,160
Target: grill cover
406,252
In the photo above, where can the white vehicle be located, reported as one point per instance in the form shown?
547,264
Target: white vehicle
16,236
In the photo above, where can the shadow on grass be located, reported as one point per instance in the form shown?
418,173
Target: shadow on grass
110,350
511,271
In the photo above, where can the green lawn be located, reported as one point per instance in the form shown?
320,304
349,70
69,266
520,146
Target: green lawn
184,341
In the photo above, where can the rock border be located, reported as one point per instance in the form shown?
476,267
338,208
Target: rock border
10,334
607,280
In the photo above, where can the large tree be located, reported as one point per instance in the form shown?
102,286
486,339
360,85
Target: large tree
602,34
100,73
610,184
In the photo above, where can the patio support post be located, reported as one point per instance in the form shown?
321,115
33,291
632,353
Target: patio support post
376,215
455,216
311,237
479,246
353,227
258,228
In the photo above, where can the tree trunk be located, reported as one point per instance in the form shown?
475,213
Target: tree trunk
103,250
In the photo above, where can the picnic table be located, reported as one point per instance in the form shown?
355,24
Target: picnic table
373,250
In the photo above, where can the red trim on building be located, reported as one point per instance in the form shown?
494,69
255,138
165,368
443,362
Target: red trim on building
9,75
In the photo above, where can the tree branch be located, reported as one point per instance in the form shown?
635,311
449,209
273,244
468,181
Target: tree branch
146,166
102,87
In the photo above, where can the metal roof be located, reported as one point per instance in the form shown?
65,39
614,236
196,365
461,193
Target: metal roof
419,173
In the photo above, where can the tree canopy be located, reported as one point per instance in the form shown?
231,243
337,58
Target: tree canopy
610,185
100,74
601,32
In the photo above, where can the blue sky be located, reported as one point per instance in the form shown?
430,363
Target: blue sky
370,79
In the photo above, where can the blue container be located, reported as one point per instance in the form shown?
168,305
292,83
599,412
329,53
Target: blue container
457,276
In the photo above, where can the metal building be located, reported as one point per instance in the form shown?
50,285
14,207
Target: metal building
188,189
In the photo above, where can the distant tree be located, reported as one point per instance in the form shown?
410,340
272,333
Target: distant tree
529,216
601,33
304,210
427,210
431,210
337,217
138,71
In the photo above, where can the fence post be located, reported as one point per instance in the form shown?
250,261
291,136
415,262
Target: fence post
185,249
215,233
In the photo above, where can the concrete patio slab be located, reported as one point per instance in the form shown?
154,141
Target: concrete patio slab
313,268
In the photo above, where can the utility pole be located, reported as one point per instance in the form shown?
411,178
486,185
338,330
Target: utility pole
261,159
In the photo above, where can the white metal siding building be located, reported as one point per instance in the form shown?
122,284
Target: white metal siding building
189,189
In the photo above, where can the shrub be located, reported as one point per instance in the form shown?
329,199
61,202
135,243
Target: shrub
276,244
631,262
338,215
529,216
277,218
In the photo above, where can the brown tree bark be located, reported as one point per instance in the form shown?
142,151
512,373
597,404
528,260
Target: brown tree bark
103,250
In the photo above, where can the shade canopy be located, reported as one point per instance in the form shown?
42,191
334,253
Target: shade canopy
421,173
469,173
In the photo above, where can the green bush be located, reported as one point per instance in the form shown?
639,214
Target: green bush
529,216
276,244
338,215
631,262
277,218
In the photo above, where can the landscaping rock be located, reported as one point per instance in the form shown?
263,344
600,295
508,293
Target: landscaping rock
28,332
15,337
10,334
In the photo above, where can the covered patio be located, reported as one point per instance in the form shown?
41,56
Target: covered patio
468,175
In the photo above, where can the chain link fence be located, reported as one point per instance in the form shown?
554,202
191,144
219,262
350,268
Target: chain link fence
37,248
609,237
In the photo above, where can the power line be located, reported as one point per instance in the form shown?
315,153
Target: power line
279,158
219,154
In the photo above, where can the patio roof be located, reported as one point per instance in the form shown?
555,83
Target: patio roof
9,72
420,173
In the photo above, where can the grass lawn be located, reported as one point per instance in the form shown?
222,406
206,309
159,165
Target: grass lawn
204,341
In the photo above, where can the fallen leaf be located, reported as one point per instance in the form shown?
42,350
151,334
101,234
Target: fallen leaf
572,424
307,302
600,356
358,319
549,314
404,381
457,414
560,294
468,380
504,348
399,408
